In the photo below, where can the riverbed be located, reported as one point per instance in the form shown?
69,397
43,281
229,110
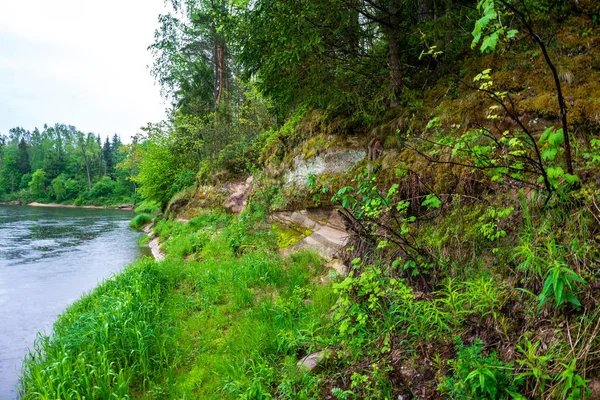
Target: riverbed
49,257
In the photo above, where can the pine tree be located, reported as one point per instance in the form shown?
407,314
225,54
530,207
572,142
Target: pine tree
23,165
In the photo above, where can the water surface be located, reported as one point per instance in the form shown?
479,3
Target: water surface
49,257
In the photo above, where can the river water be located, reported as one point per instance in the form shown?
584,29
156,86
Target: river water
49,257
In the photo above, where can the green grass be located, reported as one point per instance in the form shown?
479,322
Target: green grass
224,317
231,323
140,220
112,342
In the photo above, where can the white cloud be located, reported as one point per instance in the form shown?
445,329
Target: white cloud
79,62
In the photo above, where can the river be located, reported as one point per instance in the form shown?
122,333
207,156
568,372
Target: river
49,257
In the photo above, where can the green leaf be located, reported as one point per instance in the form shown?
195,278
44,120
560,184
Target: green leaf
556,138
555,172
571,179
550,153
546,133
431,201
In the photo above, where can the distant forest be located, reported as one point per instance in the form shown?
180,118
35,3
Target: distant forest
63,164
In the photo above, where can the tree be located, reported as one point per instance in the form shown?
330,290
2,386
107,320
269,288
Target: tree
37,185
192,58
10,175
157,169
489,30
58,188
23,158
107,154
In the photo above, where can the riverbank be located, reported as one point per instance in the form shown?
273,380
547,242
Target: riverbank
187,326
50,257
153,242
124,207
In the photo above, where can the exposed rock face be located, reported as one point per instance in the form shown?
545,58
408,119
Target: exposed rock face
238,195
329,163
327,239
154,243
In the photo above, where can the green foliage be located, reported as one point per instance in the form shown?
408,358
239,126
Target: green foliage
37,184
59,190
158,169
105,187
71,161
560,284
147,207
489,29
551,142
490,221
478,376
593,154
540,375
140,220
111,343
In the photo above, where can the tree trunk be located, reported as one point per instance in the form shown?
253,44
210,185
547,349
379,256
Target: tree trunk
395,70
395,56
221,64
424,10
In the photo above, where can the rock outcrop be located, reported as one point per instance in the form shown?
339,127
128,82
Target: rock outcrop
328,238
238,195
332,162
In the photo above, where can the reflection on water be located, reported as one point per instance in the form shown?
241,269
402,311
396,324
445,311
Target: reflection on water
49,257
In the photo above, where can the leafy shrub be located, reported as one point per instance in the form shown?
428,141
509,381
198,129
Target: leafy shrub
140,220
476,376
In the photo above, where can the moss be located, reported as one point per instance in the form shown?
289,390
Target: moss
288,236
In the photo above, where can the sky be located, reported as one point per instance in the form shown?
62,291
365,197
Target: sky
79,62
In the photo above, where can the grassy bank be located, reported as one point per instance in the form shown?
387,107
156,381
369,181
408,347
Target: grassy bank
229,322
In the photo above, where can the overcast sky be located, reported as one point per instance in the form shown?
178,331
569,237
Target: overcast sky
78,62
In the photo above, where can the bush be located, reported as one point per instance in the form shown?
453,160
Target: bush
148,207
103,188
140,220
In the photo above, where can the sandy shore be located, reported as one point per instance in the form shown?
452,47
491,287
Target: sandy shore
126,207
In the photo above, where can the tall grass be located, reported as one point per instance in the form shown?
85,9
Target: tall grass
113,341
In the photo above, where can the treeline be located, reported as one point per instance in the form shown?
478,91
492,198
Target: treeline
63,164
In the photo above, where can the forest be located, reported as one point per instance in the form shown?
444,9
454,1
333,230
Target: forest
472,214
63,165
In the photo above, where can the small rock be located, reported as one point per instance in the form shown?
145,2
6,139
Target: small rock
312,361
338,266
